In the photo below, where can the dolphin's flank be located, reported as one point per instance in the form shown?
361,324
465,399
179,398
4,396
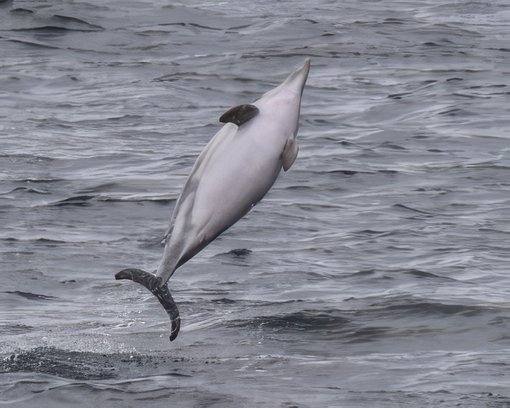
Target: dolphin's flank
234,171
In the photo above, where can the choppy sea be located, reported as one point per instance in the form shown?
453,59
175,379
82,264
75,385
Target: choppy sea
375,273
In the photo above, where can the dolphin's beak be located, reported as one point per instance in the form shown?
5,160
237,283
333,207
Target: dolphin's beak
297,79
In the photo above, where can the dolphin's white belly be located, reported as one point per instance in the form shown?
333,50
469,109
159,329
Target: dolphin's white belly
237,177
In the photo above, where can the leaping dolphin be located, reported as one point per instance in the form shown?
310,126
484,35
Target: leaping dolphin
234,171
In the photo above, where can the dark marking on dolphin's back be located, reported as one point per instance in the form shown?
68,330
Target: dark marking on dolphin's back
153,283
239,114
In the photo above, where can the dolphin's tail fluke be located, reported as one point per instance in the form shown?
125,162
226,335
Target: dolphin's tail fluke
153,283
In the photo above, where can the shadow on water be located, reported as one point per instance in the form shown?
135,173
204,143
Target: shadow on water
91,366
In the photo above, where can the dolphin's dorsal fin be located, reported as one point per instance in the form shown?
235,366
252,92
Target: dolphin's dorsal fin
289,153
239,114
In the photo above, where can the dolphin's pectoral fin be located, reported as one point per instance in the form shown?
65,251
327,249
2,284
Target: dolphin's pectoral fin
239,114
289,153
153,283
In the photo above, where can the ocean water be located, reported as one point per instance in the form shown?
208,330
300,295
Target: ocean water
375,273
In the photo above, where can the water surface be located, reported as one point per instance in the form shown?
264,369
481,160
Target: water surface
375,272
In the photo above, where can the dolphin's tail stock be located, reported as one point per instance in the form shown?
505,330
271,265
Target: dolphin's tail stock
153,283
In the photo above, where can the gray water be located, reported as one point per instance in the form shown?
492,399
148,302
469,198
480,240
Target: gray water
375,272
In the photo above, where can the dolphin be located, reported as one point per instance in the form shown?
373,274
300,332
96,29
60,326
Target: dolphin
233,173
